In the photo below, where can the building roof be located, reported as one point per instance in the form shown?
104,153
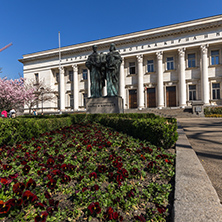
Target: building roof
150,34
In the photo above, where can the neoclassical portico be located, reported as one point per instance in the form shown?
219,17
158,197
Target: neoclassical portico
177,63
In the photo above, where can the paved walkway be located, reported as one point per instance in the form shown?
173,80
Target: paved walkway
195,199
205,137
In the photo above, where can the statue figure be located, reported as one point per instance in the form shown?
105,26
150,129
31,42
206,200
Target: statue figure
103,68
113,62
93,63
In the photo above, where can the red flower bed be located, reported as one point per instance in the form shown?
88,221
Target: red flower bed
82,172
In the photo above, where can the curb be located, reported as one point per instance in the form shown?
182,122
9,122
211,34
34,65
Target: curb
195,199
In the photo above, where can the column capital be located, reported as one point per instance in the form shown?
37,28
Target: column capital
159,55
62,69
204,48
181,52
139,58
75,67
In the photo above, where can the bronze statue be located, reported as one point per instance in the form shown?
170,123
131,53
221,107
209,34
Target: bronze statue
113,62
103,67
93,63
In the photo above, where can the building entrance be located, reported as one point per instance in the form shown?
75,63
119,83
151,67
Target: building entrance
171,96
132,98
151,97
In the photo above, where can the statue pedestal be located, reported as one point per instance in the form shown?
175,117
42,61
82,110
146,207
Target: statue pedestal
112,104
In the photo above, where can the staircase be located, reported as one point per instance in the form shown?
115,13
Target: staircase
169,112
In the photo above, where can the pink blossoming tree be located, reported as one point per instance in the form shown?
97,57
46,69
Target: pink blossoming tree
13,93
41,93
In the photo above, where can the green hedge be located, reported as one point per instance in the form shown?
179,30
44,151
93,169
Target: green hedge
212,110
14,130
157,130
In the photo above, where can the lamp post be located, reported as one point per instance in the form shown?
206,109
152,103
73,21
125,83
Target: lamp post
42,88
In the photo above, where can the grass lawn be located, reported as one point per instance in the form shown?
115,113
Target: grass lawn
85,172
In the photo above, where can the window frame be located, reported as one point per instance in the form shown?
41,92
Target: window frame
132,67
211,57
192,91
36,79
195,60
216,90
70,73
84,96
71,101
150,65
173,62
86,72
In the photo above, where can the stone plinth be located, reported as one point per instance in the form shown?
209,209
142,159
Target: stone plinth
112,104
198,108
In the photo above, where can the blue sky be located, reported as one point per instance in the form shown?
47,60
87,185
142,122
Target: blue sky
33,25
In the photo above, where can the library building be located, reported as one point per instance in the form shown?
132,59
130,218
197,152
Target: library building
169,66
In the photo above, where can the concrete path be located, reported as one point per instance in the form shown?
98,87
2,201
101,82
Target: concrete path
205,137
195,198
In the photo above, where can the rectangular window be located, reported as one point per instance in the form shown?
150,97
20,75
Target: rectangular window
132,68
36,78
150,66
84,98
71,101
58,102
192,92
84,74
57,77
215,57
170,64
191,60
71,76
216,90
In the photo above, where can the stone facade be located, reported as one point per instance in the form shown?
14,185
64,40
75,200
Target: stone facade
170,66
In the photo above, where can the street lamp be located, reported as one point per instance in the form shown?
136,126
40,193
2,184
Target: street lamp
42,89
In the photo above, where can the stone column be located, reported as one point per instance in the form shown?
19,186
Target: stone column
62,89
122,92
140,88
75,87
182,81
88,84
204,75
160,96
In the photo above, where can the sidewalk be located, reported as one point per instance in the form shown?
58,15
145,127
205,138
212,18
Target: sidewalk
195,198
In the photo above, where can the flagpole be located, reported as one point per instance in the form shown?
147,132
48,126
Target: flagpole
59,75
59,54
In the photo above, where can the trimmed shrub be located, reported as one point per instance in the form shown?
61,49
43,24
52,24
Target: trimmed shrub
20,129
157,130
212,110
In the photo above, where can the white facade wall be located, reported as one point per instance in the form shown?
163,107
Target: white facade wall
158,87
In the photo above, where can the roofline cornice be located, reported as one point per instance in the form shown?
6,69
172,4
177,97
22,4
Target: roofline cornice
150,34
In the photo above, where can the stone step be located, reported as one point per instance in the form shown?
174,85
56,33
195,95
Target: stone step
167,112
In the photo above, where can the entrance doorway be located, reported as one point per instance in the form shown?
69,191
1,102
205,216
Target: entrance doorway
132,98
151,97
171,96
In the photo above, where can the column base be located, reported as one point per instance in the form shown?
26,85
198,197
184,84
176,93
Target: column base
160,107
